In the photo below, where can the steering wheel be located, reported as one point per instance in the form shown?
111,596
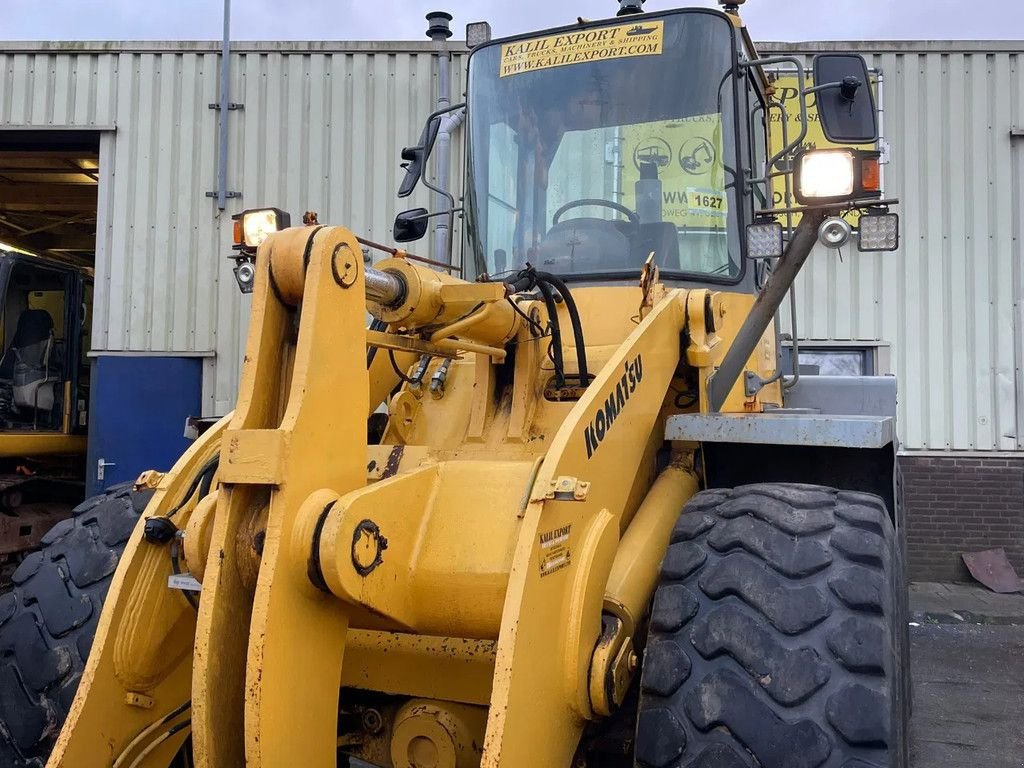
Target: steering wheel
633,216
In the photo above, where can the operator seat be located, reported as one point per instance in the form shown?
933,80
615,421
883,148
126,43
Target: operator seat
26,363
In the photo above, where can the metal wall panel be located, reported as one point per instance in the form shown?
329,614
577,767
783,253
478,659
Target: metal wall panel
945,301
321,130
322,127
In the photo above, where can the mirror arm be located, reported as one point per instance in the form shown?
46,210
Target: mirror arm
436,213
443,192
444,111
450,212
829,86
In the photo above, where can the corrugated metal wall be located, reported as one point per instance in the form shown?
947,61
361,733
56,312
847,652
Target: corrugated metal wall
946,301
322,128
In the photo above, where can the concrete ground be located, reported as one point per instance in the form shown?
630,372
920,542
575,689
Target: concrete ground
967,667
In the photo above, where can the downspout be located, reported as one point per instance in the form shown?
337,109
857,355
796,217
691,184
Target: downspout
225,102
439,31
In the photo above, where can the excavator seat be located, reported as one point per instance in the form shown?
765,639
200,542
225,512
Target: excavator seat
27,363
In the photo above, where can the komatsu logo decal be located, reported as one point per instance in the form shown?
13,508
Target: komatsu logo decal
599,427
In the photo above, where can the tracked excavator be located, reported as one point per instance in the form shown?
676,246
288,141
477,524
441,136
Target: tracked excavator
603,524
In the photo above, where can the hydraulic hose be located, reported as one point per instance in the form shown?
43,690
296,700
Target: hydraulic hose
556,332
574,316
371,353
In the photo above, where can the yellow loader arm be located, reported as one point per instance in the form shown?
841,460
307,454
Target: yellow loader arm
487,565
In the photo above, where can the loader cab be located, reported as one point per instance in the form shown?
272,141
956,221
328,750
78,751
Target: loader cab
593,146
44,327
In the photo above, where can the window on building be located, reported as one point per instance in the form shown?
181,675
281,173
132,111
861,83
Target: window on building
828,360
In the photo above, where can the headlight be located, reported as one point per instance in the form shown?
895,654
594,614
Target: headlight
826,174
836,175
253,226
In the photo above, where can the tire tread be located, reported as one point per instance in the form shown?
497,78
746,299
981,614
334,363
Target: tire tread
48,620
788,650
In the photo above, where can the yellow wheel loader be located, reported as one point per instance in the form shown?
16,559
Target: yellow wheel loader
603,525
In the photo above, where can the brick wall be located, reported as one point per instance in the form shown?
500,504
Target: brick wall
961,504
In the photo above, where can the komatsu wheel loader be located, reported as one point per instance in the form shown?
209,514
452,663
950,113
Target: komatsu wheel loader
603,525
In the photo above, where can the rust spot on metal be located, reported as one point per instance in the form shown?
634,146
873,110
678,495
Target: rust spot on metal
993,569
394,459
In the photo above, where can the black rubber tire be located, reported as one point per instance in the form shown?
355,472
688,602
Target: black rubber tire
778,635
48,620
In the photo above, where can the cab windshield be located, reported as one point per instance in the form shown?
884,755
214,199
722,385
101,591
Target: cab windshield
591,149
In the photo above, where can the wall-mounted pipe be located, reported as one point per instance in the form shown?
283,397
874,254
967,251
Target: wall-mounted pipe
439,31
225,103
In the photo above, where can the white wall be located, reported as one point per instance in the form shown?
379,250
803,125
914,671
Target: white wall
949,300
322,128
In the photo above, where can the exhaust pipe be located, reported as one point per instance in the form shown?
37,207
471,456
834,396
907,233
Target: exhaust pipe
629,7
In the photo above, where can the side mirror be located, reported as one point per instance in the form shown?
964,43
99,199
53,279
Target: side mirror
416,157
846,104
410,225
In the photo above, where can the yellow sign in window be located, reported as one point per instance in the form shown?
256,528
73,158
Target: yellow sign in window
687,157
618,42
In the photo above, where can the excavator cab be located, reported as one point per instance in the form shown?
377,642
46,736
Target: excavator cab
43,366
44,380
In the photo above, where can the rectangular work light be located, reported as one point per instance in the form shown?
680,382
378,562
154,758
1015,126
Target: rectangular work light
252,227
825,176
764,239
879,232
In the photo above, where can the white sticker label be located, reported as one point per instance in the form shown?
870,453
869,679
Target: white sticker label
184,581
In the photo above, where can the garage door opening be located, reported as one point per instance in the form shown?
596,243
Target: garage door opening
49,185
48,192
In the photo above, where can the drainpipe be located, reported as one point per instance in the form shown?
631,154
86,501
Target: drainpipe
221,193
439,31
225,83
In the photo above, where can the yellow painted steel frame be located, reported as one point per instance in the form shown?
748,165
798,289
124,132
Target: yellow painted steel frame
551,620
507,530
13,444
269,696
140,665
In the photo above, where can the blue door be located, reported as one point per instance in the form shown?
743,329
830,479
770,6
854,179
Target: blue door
137,412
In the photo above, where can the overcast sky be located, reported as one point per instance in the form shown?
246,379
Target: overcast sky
403,19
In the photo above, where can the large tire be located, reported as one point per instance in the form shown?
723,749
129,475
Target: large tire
48,620
777,635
